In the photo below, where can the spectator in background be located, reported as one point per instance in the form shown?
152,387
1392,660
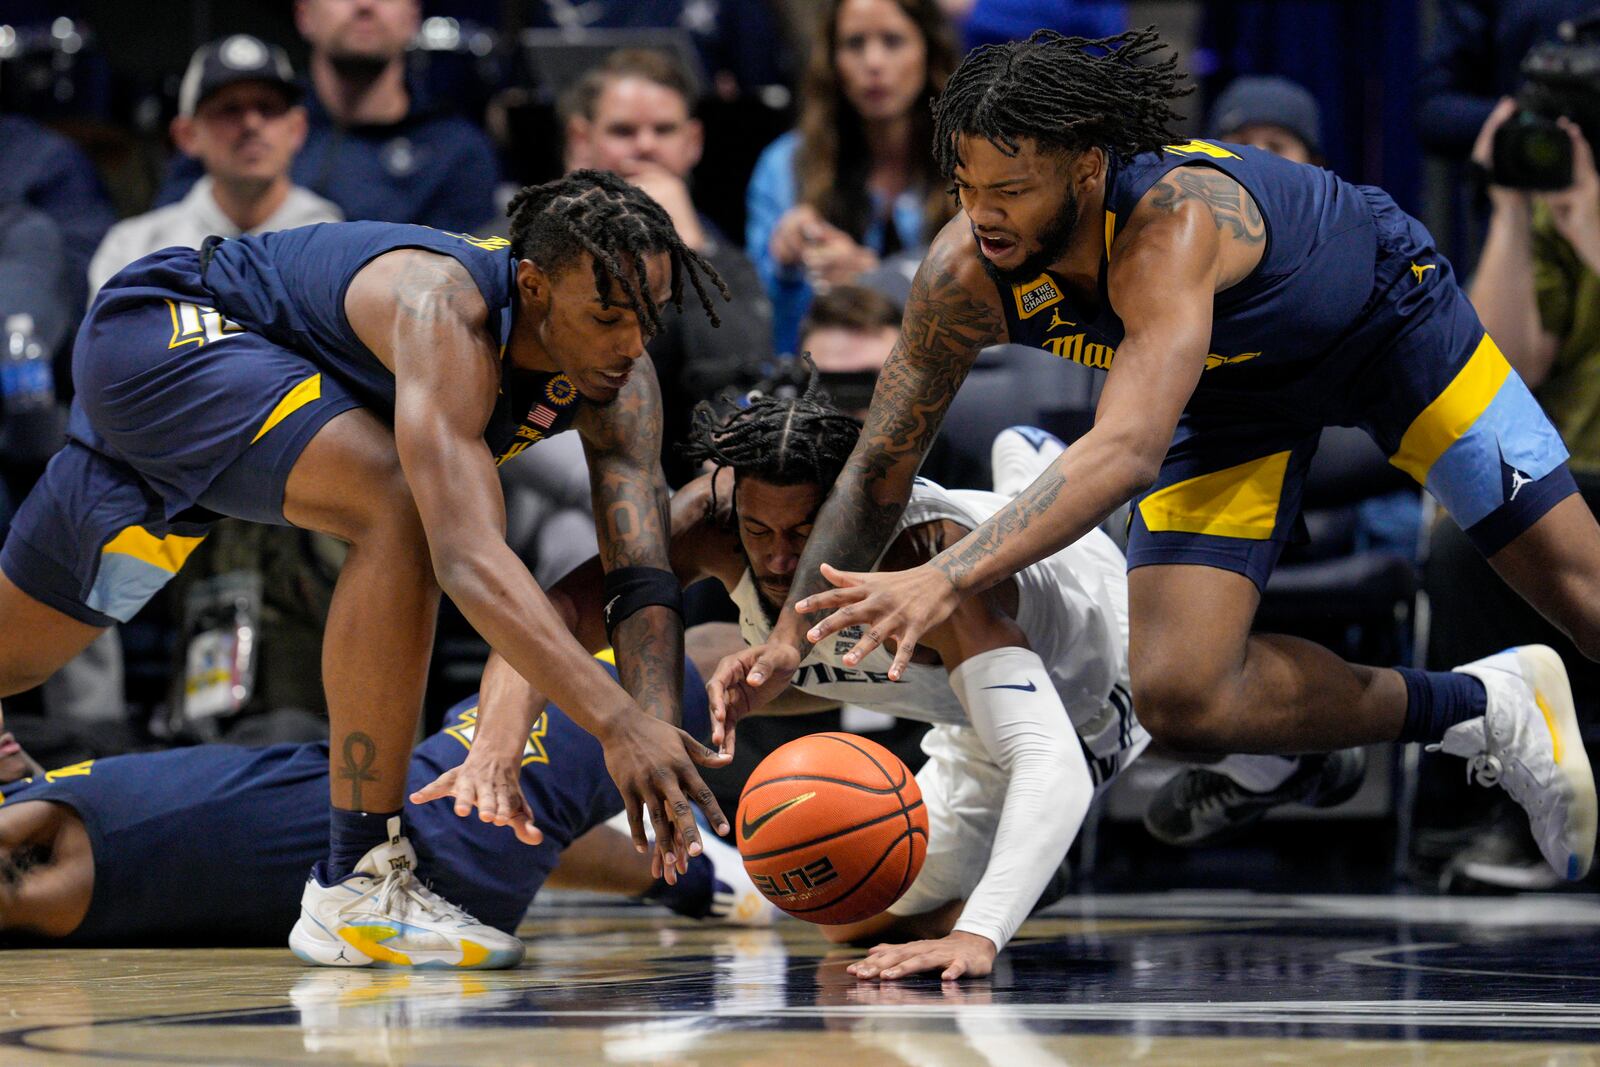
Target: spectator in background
372,147
855,182
634,115
1270,113
1537,290
44,171
238,118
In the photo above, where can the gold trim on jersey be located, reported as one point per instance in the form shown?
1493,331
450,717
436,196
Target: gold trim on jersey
168,553
1452,413
1202,148
295,399
1239,501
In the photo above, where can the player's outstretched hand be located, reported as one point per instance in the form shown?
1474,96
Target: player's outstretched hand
898,606
653,766
743,682
960,955
493,786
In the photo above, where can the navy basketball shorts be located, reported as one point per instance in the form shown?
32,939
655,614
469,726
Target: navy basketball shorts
1417,373
181,416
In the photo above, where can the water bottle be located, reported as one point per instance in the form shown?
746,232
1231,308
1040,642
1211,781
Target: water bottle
32,427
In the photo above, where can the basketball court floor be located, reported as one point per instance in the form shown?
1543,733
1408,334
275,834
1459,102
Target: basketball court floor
1184,978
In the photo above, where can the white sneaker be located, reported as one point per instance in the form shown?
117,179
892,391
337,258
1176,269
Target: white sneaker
381,915
734,897
1019,455
1528,741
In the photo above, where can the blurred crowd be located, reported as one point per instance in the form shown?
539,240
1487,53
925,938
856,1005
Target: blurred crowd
789,142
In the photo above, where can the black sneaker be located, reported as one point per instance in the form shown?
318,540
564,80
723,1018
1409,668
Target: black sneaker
1199,807
1503,858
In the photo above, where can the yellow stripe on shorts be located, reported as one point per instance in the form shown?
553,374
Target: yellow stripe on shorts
1452,413
168,553
1239,501
293,401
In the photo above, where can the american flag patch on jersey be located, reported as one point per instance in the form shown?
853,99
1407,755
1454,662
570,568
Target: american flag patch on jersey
542,416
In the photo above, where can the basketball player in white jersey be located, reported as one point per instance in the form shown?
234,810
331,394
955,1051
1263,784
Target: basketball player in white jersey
1026,685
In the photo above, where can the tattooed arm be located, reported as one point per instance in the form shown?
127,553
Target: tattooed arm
953,313
622,441
1184,243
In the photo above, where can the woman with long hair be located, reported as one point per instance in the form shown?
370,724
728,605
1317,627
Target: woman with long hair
855,182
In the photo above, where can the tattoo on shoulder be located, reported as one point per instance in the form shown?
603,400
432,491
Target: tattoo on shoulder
429,287
1234,209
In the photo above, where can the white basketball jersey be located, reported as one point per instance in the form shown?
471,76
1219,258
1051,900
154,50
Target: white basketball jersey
1073,607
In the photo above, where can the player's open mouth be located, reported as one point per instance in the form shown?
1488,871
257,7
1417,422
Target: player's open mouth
8,745
995,247
616,379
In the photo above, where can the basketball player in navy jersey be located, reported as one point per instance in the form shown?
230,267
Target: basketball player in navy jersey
363,380
1239,303
207,845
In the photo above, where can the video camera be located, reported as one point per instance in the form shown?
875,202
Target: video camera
1560,78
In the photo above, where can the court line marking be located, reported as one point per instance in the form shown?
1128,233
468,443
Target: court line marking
1371,957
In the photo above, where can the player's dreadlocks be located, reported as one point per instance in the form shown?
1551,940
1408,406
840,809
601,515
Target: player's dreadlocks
797,440
599,213
1070,93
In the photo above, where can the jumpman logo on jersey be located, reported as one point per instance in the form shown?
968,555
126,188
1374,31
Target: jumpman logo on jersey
1512,479
1056,321
1518,480
1418,270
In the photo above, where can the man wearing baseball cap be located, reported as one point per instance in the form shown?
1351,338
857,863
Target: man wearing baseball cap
1271,113
239,118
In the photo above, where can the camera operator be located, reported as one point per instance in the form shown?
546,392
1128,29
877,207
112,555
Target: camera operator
1537,290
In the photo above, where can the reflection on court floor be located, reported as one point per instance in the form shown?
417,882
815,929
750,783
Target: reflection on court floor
1191,979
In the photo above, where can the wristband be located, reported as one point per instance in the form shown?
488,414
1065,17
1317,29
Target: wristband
628,589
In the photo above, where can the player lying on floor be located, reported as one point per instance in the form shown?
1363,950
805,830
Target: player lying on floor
1026,685
207,845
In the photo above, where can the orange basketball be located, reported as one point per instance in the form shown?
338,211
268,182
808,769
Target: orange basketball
832,828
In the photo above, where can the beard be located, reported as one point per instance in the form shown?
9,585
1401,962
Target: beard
769,610
358,66
1053,241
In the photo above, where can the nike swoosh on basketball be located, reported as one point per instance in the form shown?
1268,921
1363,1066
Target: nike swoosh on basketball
1029,688
749,829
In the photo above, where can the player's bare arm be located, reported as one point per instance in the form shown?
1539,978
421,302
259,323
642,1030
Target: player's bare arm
423,316
1185,242
632,518
952,314
622,441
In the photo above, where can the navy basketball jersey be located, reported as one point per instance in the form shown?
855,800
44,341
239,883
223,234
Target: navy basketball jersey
1315,277
289,286
210,844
